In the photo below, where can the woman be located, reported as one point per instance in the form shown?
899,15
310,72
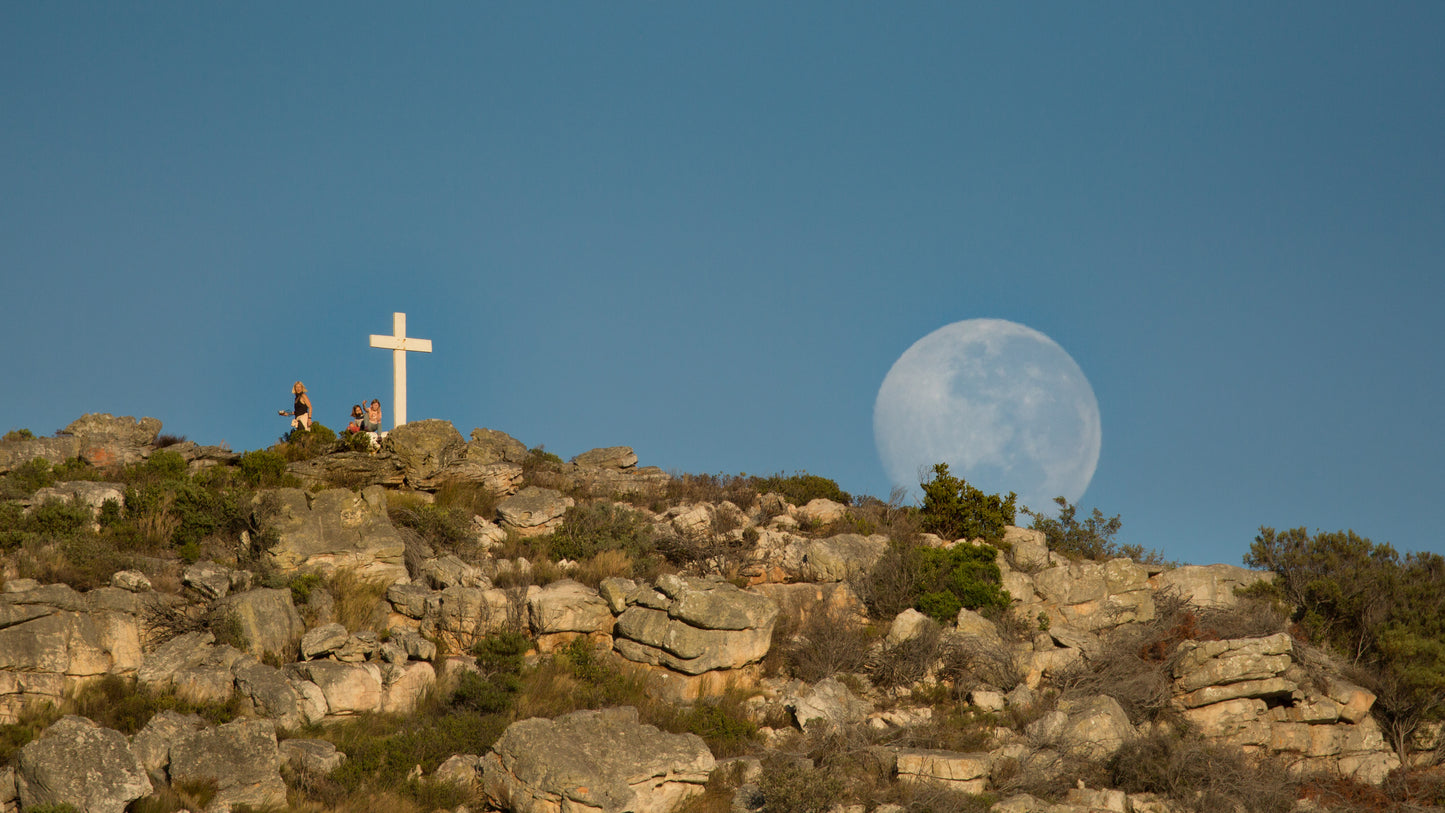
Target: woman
302,408
358,419
373,417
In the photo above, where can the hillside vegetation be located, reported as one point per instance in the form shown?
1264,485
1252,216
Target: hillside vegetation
851,653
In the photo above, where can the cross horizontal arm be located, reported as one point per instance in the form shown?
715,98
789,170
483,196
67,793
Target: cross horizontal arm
403,343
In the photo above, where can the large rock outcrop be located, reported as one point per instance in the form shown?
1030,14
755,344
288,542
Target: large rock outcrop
1252,693
98,438
77,762
336,529
596,761
241,757
694,627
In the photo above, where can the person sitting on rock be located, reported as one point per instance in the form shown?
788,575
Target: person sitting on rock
372,423
358,418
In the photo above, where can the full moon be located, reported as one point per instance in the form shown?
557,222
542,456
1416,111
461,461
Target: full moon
1002,404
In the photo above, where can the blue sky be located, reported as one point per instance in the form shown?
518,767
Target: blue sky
707,230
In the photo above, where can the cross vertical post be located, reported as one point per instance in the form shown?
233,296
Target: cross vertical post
400,345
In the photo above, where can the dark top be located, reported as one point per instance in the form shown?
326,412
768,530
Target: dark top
301,408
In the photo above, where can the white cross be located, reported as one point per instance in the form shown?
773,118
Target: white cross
399,344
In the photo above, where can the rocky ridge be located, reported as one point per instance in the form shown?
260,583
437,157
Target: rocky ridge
690,636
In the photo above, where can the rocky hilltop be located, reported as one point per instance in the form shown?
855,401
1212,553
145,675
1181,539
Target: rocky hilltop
453,622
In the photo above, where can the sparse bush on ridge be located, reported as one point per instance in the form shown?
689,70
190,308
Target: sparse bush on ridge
800,488
827,644
1091,539
1203,775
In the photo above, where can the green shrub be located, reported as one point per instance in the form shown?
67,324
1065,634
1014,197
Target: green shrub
305,444
473,499
353,442
301,586
722,723
84,561
77,469
790,786
502,653
445,529
53,521
591,528
59,518
27,478
181,513
122,704
19,434
1383,612
263,468
953,509
952,579
381,750
801,488
164,466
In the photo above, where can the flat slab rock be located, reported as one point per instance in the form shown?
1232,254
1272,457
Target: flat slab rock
603,761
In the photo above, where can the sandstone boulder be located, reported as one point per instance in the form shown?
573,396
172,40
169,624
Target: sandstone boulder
1027,549
604,761
568,606
695,626
77,762
40,639
841,557
311,757
272,695
349,688
424,449
266,620
1208,585
491,446
827,703
106,440
948,770
1090,728
152,744
242,757
323,640
612,457
336,529
357,469
92,494
55,450
821,511
207,578
534,511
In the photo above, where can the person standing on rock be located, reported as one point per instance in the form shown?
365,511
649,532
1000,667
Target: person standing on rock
302,408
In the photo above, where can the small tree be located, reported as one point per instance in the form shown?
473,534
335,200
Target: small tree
1384,613
1091,539
953,509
